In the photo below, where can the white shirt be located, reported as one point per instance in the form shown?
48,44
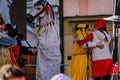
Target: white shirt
103,53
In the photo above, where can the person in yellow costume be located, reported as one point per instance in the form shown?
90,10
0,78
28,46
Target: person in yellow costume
81,63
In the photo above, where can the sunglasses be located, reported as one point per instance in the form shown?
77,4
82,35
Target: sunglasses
76,28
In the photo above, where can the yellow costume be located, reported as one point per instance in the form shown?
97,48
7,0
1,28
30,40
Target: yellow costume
78,65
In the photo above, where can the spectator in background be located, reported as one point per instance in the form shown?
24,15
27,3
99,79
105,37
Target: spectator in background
5,39
26,50
18,49
19,37
7,28
5,43
15,51
11,72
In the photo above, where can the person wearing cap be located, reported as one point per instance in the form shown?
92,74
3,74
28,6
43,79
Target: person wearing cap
5,39
5,43
102,58
80,60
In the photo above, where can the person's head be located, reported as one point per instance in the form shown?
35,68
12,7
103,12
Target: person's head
2,23
82,30
60,77
7,28
11,72
12,33
100,24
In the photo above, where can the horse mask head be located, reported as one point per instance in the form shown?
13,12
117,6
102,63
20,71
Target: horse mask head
40,9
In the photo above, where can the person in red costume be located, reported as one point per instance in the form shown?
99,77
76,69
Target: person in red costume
14,51
102,58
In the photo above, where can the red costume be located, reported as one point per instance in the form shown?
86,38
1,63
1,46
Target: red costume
14,54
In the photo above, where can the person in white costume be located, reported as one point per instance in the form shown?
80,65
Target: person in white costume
49,55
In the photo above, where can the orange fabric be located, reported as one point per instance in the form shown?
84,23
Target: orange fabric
102,67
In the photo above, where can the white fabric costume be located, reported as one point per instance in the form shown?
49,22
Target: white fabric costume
48,56
98,53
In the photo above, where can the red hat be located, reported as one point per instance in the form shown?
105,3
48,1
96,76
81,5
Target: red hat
99,23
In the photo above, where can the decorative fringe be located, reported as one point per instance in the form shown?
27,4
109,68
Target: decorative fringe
42,30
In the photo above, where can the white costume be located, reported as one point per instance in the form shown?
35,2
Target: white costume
98,53
48,56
